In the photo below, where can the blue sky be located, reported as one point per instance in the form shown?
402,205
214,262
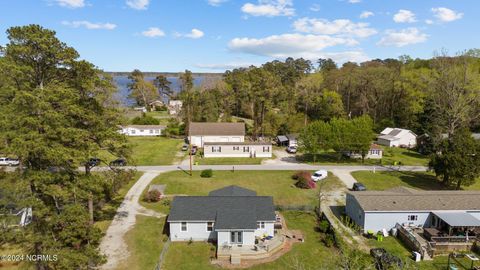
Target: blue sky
214,35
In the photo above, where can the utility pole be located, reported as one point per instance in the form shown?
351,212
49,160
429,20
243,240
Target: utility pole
190,142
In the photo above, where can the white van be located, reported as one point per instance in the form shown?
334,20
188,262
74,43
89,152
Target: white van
4,161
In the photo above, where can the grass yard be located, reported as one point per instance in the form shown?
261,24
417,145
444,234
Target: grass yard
391,155
145,242
228,161
278,184
108,211
311,254
382,180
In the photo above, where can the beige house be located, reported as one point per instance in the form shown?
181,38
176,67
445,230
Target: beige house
375,152
200,133
237,149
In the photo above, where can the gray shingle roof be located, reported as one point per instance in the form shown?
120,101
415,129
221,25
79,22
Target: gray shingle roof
237,143
216,129
406,199
228,212
232,191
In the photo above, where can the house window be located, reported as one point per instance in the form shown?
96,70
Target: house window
260,225
246,149
412,217
157,131
133,131
209,226
266,149
236,237
184,227
236,148
141,130
216,149
151,131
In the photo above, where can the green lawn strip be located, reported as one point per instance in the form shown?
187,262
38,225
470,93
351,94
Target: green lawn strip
278,184
154,150
228,161
391,155
145,242
311,254
382,180
109,209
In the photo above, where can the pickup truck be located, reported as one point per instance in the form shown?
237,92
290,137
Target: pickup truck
5,161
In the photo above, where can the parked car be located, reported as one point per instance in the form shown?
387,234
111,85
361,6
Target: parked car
93,162
319,175
185,147
119,162
5,161
194,150
359,187
292,149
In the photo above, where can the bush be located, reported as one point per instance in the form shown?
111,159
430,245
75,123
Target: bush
329,241
304,180
206,173
153,196
145,120
323,226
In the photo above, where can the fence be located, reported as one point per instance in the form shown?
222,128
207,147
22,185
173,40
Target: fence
162,255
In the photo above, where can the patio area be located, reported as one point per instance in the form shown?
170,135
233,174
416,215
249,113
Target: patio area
263,249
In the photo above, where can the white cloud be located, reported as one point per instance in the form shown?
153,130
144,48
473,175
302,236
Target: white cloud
90,25
446,14
315,7
335,27
403,37
216,3
138,4
225,66
194,33
286,45
404,16
153,32
270,8
428,21
354,1
366,14
71,3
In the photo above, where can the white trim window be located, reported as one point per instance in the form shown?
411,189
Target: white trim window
133,131
266,149
412,217
209,226
183,227
216,149
236,148
236,237
157,131
246,149
261,225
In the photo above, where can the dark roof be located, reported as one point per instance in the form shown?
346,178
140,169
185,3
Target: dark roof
232,191
228,212
407,199
292,136
214,129
282,138
237,143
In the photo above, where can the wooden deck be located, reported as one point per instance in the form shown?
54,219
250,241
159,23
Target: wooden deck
252,252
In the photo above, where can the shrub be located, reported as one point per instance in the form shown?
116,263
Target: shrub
145,120
302,174
304,180
153,196
206,173
323,226
329,240
302,183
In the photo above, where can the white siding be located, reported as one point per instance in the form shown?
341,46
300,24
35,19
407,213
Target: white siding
197,231
377,221
476,214
228,151
385,142
248,238
268,230
199,140
223,238
129,131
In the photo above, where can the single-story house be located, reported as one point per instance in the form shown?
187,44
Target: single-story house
378,210
237,149
142,130
199,133
397,137
375,152
230,216
475,136
287,140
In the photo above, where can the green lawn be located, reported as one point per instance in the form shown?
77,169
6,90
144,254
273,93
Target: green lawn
311,254
228,161
108,211
278,184
382,180
145,242
391,155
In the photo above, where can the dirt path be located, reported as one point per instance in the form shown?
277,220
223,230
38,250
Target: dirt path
113,243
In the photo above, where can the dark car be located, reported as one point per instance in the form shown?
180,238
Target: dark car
93,162
185,147
119,162
359,187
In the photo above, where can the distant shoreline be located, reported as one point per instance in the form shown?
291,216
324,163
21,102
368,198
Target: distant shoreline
166,74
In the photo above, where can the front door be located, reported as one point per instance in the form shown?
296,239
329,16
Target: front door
236,237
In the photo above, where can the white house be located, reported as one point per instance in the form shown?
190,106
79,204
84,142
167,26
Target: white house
142,130
378,210
397,137
230,216
237,149
199,133
375,152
